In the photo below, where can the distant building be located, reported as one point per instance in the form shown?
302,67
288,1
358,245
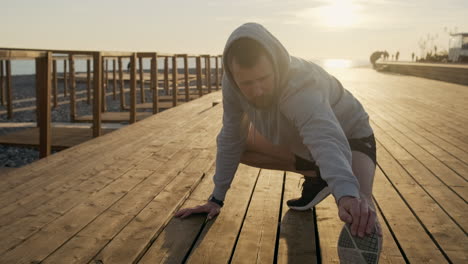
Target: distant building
458,47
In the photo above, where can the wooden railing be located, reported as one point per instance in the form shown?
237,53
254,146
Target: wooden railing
46,79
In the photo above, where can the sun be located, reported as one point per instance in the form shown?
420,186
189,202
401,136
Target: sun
335,14
340,13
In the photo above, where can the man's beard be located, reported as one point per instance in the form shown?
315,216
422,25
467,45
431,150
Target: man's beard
263,102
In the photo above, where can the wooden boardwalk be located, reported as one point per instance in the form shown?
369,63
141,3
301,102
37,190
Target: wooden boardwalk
111,199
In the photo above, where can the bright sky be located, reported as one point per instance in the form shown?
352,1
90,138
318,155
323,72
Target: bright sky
346,29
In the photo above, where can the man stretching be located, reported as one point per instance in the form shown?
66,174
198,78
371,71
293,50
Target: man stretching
284,113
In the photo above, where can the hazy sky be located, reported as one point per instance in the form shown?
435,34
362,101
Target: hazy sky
349,29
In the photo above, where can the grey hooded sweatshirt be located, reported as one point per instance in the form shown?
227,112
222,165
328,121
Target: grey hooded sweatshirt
312,114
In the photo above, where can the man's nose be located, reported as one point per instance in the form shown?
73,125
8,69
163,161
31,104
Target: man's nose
258,89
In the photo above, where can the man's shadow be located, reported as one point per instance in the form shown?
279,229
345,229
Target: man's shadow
181,237
298,233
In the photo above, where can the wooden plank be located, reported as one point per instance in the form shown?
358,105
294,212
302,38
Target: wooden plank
72,193
24,190
105,82
88,80
174,82
97,79
412,238
154,82
297,229
121,85
43,71
30,177
218,237
257,239
432,147
114,79
61,137
65,79
121,213
2,82
142,80
439,209
176,239
8,54
186,79
9,90
440,173
31,186
199,76
54,82
131,243
114,117
166,75
133,84
208,72
72,88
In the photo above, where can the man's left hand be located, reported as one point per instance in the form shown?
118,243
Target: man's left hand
359,214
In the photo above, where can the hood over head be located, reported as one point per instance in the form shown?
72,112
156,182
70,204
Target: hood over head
276,51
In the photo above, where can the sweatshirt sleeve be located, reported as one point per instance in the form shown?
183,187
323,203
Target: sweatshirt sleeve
230,142
322,134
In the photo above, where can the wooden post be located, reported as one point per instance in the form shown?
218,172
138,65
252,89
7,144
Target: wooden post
121,82
154,82
103,87
217,74
54,82
43,77
97,89
2,94
142,81
9,90
133,87
174,81
114,78
166,75
65,79
186,76
199,76
72,88
88,79
38,91
208,72
107,75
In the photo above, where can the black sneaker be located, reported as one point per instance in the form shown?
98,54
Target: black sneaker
313,192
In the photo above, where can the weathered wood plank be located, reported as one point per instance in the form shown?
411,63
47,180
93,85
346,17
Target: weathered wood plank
297,229
216,242
257,239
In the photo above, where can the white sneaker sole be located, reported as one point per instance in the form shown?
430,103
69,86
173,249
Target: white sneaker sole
320,196
356,250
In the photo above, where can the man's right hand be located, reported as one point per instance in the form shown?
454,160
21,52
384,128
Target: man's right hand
211,208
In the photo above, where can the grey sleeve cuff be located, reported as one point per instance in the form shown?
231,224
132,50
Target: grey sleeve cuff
220,193
345,189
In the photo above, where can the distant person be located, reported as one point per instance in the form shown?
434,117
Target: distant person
284,113
412,56
397,55
129,65
375,56
386,55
